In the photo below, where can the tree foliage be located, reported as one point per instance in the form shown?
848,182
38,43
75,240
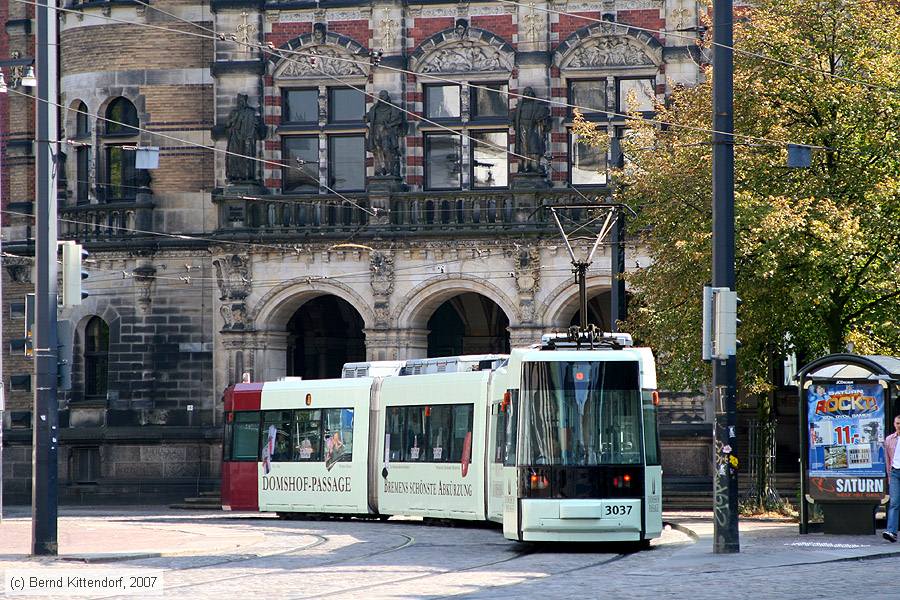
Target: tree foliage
817,249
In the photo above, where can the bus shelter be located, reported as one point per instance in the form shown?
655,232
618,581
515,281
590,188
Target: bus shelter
847,406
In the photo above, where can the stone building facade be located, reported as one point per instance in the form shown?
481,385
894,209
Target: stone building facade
211,266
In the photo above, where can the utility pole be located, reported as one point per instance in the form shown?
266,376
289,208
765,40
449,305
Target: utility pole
45,415
724,381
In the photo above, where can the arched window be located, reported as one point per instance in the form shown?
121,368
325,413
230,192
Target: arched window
82,154
121,180
96,358
121,117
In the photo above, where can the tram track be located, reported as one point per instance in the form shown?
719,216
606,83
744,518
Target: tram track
408,541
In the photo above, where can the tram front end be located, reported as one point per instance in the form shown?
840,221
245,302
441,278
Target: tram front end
587,456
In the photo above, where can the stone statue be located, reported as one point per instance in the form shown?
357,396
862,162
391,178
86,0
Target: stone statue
245,128
531,122
386,126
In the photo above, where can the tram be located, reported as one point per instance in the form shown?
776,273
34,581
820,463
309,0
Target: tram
556,442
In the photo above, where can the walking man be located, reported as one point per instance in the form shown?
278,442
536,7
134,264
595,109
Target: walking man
892,463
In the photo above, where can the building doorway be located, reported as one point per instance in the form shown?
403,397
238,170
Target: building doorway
323,334
468,323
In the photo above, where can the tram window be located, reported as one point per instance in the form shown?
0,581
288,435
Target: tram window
462,425
394,429
651,435
338,435
282,421
244,436
439,427
499,416
307,436
581,413
414,446
509,453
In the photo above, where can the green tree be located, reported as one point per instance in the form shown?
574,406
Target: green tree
817,249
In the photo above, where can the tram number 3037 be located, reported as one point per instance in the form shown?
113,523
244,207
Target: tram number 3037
617,510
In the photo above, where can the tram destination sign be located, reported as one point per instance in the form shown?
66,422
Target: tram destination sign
846,436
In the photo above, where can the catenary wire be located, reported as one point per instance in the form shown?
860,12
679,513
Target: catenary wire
559,103
720,45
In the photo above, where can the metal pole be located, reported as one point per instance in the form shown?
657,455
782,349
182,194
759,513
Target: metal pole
724,381
45,416
580,270
2,373
617,309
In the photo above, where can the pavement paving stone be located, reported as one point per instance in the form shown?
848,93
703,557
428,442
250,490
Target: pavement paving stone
219,555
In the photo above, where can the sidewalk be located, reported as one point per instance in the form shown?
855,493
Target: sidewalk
763,544
127,534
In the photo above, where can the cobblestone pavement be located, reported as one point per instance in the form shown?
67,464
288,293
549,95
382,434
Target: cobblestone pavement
220,555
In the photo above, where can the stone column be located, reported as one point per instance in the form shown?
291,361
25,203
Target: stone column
412,343
525,335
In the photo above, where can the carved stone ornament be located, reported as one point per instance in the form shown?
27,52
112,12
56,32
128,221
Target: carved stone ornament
382,273
606,51
144,278
465,56
233,277
234,316
322,65
19,269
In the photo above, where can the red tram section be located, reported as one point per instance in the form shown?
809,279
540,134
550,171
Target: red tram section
240,469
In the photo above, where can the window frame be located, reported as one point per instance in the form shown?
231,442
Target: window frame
571,158
330,93
451,446
126,186
128,129
595,114
331,181
426,89
285,106
473,144
285,140
618,91
96,360
475,87
427,136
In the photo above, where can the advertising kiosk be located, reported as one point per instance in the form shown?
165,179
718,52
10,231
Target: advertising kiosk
847,405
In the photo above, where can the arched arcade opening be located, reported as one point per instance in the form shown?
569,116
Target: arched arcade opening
323,334
468,323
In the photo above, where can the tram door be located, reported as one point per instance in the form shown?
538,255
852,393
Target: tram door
509,483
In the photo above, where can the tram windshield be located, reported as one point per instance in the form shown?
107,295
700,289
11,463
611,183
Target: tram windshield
581,413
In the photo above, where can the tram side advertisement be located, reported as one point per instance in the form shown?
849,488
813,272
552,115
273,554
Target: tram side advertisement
846,436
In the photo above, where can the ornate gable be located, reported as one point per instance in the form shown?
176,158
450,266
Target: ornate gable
475,50
336,56
608,45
